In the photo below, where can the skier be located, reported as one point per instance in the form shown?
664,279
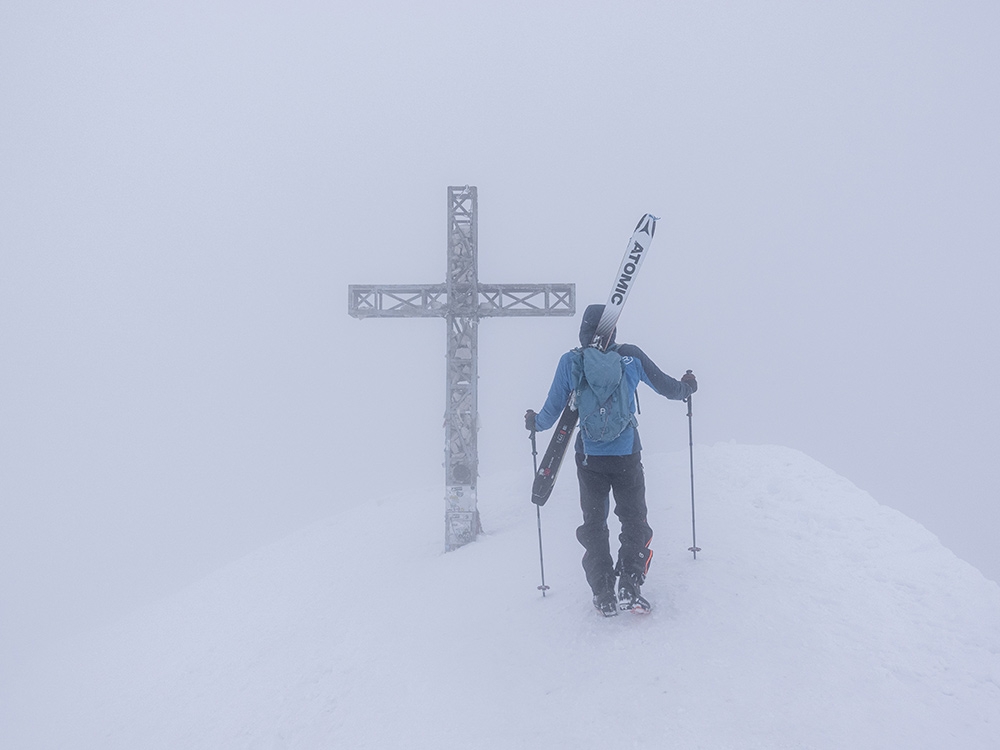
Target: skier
608,458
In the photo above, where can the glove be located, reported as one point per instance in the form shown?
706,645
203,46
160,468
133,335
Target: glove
689,378
529,420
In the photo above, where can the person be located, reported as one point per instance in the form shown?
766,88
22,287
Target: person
609,462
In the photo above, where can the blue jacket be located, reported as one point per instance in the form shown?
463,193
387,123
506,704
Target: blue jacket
638,367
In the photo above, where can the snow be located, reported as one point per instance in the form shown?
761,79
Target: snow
813,618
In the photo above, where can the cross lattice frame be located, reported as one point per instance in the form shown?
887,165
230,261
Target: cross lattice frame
462,301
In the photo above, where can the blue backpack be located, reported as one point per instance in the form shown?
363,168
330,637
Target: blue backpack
602,396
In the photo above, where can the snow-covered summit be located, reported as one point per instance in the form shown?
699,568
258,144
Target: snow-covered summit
813,618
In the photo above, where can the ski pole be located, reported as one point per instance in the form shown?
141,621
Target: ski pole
694,549
538,512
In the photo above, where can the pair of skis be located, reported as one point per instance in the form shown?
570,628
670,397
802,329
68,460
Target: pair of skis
635,253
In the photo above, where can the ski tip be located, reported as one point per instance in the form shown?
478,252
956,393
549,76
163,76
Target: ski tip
647,224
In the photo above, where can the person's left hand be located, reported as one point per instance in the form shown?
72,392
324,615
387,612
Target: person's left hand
689,378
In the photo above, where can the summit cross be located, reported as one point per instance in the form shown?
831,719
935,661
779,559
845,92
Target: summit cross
461,301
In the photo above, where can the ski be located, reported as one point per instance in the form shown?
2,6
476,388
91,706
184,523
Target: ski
635,253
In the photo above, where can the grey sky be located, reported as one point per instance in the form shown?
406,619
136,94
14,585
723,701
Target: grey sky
186,193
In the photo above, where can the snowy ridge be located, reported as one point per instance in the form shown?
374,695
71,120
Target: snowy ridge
814,618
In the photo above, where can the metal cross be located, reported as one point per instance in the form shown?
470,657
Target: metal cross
462,301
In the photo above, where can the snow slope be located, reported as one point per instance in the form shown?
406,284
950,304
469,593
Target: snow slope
813,618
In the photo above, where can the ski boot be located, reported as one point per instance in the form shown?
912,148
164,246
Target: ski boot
629,598
604,602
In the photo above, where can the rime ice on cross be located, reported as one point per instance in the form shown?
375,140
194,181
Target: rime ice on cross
462,301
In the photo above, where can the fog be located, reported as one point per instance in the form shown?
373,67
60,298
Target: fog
185,194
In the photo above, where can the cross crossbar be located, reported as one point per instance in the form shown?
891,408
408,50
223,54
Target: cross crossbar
431,300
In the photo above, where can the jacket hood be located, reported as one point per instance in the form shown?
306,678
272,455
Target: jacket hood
588,326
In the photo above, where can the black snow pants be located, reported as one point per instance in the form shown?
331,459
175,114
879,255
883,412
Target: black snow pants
599,476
